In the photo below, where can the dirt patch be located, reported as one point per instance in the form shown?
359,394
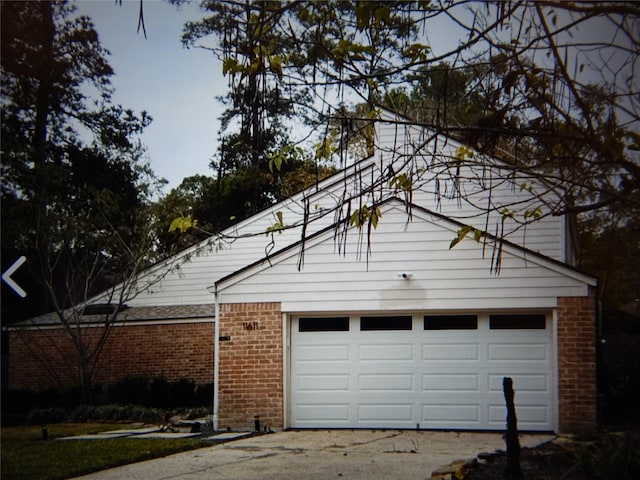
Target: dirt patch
548,461
603,457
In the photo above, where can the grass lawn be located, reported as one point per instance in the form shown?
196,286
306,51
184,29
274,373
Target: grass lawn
24,455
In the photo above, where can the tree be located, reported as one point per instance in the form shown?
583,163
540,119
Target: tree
527,67
441,95
181,202
77,210
540,63
210,204
610,247
248,46
548,86
266,60
254,129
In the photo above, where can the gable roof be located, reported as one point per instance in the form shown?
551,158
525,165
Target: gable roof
185,277
299,247
240,236
257,224
152,314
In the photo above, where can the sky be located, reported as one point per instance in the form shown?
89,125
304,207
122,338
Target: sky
175,85
178,86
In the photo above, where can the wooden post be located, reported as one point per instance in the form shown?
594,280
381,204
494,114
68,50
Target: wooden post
512,469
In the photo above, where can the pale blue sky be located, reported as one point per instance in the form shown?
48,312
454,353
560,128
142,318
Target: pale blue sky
176,86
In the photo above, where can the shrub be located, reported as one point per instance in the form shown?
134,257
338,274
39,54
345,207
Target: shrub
116,413
204,394
614,455
181,393
142,398
193,413
46,415
128,390
157,392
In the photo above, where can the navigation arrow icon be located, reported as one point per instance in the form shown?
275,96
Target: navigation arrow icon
6,276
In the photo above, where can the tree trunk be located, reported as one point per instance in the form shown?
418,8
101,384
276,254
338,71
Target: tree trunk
512,470
86,382
39,144
44,85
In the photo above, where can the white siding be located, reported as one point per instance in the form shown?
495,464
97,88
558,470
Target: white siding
442,278
488,185
185,277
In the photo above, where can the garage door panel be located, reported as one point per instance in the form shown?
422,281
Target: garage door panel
522,383
450,352
325,353
450,382
385,352
523,352
434,378
530,417
385,413
439,414
324,382
322,413
396,382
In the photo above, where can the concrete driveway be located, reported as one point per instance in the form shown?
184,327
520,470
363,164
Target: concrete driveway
320,454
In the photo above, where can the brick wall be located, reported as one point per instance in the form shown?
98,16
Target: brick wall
577,364
251,361
251,365
40,359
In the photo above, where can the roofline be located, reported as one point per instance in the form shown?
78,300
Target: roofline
444,132
338,177
356,168
509,163
525,251
279,252
307,192
310,191
120,322
143,314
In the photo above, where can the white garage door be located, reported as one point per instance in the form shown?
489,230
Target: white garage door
420,371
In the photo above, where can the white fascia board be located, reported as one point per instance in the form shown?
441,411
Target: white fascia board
264,263
549,264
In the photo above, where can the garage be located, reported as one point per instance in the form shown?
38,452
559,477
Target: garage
418,335
421,371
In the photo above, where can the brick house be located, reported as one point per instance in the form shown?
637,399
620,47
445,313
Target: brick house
325,325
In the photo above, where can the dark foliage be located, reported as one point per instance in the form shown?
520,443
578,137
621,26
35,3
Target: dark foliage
128,399
602,457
